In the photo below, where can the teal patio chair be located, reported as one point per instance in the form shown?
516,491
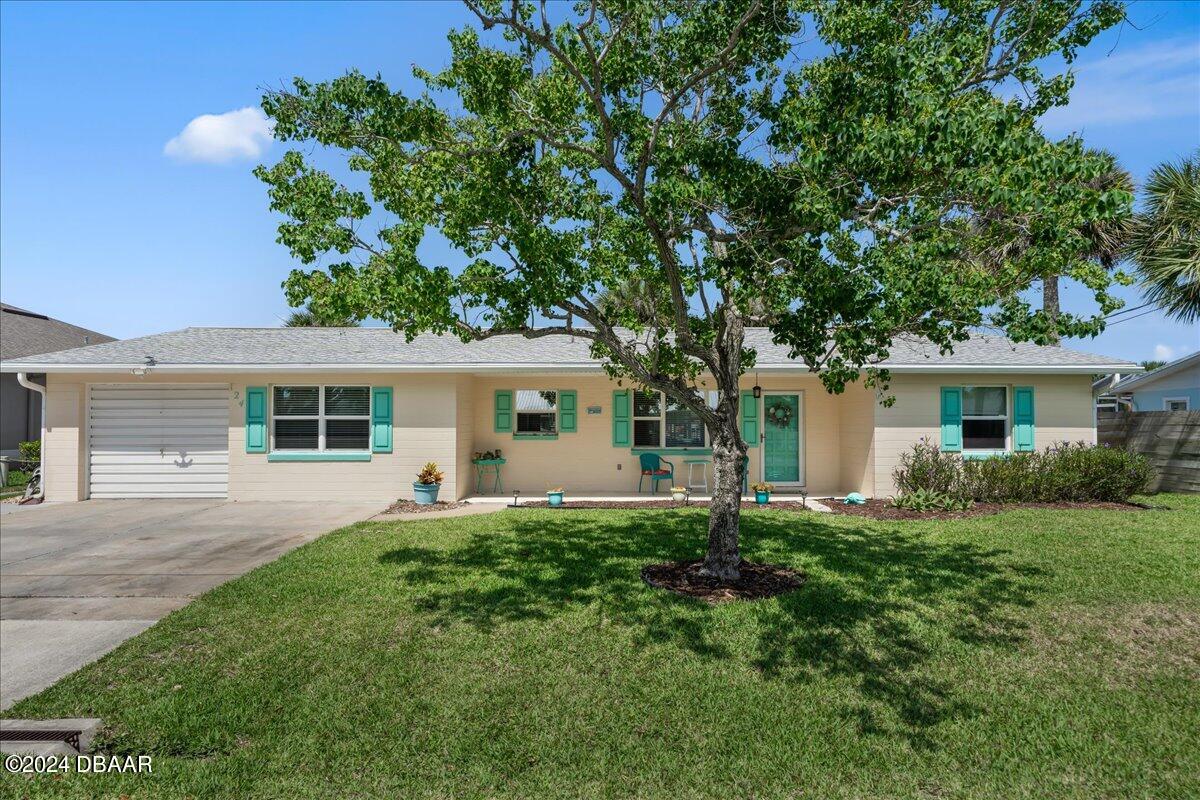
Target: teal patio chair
652,468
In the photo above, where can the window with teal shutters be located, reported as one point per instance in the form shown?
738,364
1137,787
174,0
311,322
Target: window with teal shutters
381,419
256,419
749,409
568,414
621,425
1023,418
952,418
503,411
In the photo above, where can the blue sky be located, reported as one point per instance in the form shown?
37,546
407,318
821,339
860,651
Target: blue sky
121,213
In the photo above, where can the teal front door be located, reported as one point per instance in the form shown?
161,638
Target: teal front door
781,438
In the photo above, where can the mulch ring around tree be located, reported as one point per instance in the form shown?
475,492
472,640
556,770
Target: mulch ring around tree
774,505
409,507
757,581
882,509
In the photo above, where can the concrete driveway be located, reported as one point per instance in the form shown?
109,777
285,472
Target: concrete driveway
77,579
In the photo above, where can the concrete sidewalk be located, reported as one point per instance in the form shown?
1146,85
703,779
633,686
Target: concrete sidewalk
77,579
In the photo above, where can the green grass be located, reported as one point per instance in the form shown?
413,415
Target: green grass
1028,654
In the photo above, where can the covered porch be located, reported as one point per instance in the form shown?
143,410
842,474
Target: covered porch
602,441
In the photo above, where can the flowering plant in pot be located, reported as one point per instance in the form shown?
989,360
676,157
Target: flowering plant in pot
679,493
555,496
762,492
429,480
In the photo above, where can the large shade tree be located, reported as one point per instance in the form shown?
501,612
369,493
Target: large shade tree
830,170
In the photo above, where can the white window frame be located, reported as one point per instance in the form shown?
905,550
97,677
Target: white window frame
517,412
321,417
662,422
1187,403
1007,417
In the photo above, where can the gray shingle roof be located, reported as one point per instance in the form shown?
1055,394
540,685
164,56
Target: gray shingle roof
27,333
346,348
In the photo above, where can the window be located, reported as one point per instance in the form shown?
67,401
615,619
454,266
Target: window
537,412
321,418
666,424
985,418
1176,404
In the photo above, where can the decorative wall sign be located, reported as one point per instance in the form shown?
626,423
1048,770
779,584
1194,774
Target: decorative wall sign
593,410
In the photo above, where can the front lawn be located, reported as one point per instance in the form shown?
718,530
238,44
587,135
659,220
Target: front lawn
1034,653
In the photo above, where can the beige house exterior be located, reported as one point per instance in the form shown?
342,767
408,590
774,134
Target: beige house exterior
195,440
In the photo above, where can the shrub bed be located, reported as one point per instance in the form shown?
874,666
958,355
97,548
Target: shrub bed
1063,472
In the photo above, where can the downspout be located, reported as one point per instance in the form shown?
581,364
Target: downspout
37,387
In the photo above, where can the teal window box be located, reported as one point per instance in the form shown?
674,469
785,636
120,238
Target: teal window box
673,451
327,456
536,436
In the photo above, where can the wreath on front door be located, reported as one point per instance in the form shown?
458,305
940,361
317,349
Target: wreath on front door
780,414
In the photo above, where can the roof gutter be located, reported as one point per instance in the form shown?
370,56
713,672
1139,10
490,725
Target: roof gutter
580,366
23,380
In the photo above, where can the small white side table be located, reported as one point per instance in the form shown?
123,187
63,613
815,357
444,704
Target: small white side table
692,463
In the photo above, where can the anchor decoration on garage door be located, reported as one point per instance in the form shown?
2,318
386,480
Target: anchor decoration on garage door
184,461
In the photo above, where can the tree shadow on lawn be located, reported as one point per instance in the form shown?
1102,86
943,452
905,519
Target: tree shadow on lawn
879,607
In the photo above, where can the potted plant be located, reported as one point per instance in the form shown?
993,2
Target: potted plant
762,492
679,493
429,480
554,496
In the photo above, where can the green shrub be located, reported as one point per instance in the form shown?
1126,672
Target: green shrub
30,451
926,500
927,467
17,477
1063,472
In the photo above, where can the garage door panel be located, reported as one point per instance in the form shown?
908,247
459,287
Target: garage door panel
153,457
174,392
178,415
159,441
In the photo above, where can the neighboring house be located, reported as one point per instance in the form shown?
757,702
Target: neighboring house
1171,387
353,413
25,333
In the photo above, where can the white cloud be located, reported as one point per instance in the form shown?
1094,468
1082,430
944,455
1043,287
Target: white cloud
217,138
1164,352
1157,80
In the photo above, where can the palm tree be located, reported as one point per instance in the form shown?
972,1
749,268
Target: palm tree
1165,243
1106,239
307,318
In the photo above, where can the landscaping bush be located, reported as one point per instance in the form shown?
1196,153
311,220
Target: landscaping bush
30,454
1063,472
17,477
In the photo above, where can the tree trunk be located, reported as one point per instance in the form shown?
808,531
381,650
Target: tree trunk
1050,304
724,513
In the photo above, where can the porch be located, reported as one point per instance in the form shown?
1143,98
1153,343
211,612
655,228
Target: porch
595,439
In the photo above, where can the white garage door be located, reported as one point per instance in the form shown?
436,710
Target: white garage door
158,440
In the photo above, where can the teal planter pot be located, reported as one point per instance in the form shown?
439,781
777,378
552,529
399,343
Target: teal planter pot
762,498
425,494
554,498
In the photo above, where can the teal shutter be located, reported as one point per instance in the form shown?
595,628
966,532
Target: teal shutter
503,411
568,414
1023,418
952,418
749,419
381,419
256,419
621,426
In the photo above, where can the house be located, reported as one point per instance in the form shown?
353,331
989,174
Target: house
25,333
1172,387
353,413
